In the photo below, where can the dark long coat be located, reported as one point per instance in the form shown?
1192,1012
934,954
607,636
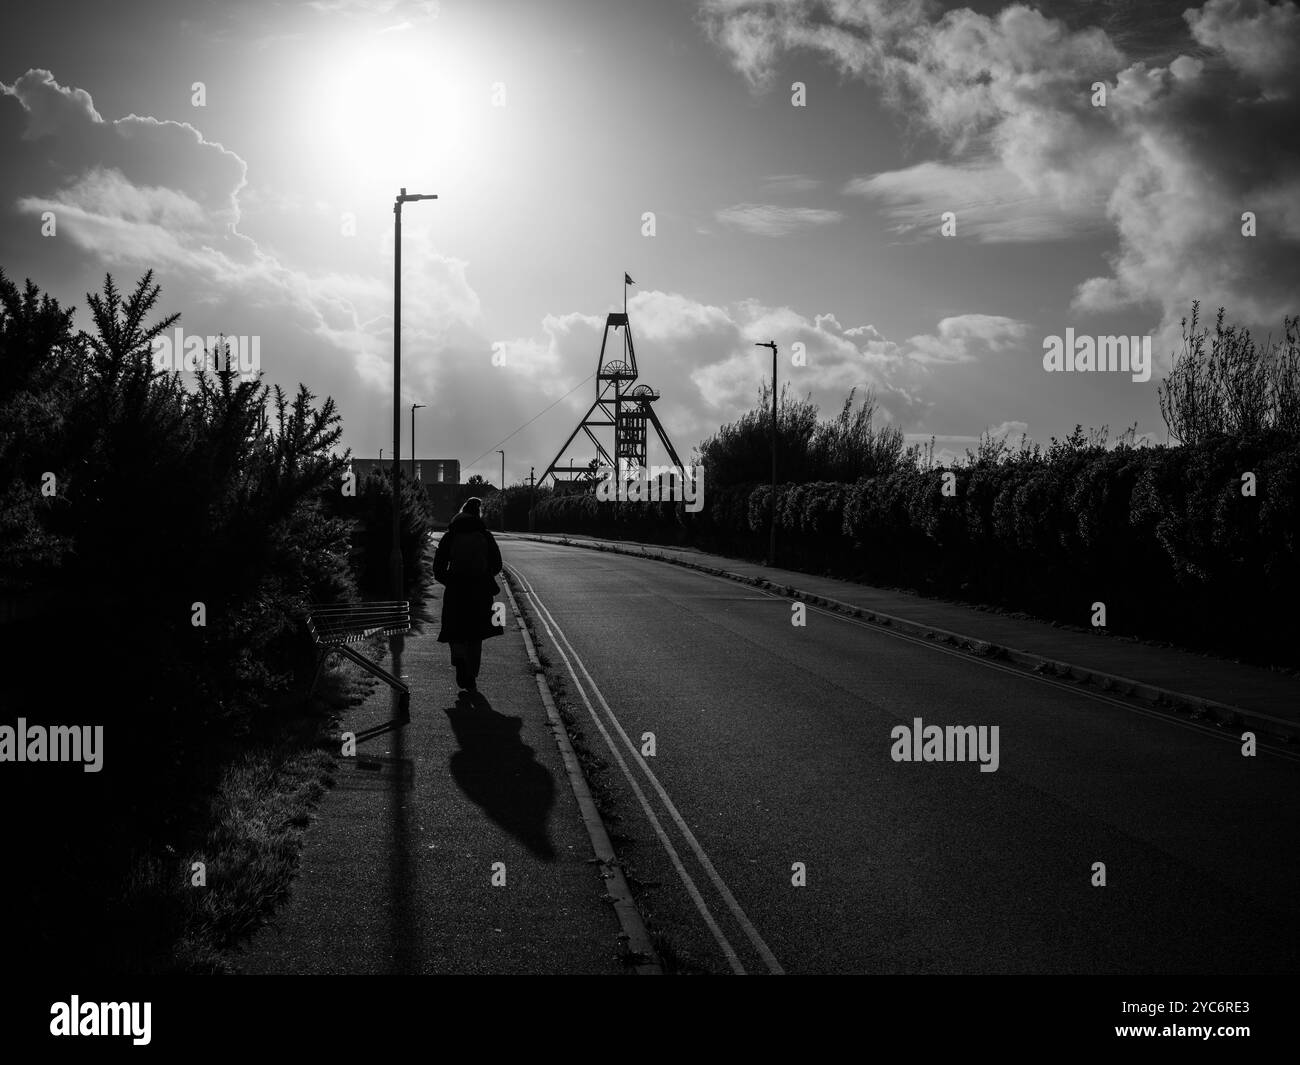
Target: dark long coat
467,601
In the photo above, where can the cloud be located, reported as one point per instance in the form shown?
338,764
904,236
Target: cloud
1013,432
543,361
964,337
991,204
1181,149
791,183
718,356
770,220
670,317
147,151
1256,39
51,108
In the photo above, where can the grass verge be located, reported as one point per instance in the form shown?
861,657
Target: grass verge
239,860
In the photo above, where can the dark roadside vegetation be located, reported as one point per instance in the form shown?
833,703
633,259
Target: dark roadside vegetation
129,496
1175,540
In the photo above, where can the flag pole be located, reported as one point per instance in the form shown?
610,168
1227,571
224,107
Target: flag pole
627,280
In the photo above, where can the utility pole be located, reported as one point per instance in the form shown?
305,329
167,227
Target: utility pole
395,558
771,503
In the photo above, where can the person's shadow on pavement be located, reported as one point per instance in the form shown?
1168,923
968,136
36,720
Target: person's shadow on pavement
496,770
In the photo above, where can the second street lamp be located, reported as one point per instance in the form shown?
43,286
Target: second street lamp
414,408
503,490
395,558
771,503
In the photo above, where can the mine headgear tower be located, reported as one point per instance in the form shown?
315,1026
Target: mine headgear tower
620,404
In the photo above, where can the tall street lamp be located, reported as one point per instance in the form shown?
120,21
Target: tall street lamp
771,503
414,408
395,558
503,489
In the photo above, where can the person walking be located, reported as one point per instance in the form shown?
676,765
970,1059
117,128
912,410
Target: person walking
466,563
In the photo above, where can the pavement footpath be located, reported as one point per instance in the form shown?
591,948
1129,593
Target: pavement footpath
1228,693
453,844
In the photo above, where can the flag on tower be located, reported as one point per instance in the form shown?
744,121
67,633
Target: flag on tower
627,279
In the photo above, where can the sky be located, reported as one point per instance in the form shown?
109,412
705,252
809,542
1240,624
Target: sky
763,169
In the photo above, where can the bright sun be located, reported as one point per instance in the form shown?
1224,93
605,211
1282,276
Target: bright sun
395,111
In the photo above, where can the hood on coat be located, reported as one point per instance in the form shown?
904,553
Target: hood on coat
463,522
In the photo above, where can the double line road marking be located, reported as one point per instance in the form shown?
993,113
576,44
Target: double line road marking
570,656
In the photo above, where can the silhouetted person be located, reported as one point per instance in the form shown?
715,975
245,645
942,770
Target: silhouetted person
466,563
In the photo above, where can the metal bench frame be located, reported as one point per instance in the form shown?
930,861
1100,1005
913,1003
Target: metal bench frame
336,627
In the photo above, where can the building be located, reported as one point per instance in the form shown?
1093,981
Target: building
440,479
427,471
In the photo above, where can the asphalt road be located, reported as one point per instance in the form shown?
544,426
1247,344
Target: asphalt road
773,747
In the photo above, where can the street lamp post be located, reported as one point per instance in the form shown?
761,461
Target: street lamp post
395,558
414,408
503,489
771,503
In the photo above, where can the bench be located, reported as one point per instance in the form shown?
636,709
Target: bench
336,627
